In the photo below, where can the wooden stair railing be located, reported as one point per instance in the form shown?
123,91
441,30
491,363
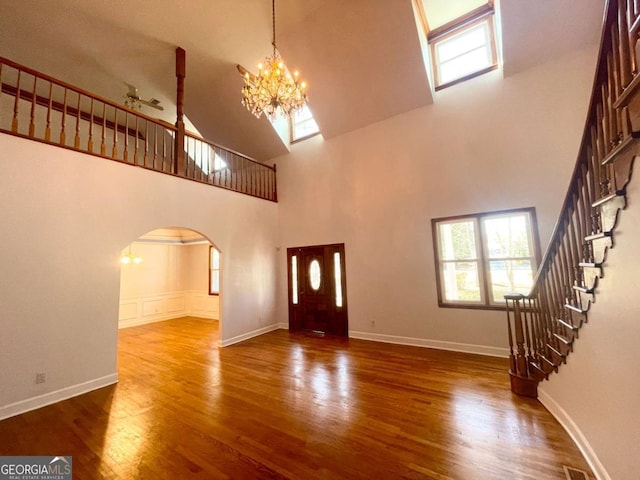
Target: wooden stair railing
544,325
39,107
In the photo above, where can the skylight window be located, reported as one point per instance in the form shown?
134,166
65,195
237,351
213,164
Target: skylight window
461,37
464,53
303,125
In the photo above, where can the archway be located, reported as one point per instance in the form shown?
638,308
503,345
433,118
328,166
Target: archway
169,273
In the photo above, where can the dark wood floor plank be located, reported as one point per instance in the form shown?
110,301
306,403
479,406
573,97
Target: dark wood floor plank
295,406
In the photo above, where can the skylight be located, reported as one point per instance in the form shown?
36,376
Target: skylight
303,124
297,127
466,52
461,38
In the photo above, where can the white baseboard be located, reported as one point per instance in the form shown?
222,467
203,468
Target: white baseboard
437,344
247,336
135,322
575,433
283,325
40,401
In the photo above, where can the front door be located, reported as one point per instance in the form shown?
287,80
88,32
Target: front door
317,289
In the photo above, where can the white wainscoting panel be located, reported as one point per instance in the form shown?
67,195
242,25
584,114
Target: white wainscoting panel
204,305
176,304
166,306
128,310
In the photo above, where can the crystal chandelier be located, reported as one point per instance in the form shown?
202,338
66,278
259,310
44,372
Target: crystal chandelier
273,88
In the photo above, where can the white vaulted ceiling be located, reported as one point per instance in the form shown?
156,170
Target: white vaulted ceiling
361,58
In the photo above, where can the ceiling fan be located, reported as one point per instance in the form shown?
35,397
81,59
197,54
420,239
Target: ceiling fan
133,100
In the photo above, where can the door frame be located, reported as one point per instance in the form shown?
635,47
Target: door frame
339,314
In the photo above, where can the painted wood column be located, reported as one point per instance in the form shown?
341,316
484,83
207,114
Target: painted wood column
179,166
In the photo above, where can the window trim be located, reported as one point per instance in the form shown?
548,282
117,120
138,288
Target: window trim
483,274
483,14
213,292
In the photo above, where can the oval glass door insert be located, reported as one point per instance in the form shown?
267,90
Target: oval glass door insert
314,274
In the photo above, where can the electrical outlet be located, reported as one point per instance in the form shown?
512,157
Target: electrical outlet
41,377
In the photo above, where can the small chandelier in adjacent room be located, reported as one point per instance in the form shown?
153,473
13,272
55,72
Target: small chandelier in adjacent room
130,258
273,88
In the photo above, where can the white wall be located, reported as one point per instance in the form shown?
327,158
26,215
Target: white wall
171,282
66,217
487,144
597,393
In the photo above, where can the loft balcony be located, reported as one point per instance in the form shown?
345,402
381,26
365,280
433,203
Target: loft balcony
36,106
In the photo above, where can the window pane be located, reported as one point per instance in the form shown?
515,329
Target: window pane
458,240
214,270
508,236
302,129
337,276
461,282
215,260
462,43
215,281
303,124
314,274
466,64
302,114
510,276
294,279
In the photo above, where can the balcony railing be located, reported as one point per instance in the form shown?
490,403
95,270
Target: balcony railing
36,106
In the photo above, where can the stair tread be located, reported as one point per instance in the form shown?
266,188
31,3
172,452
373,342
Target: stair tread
590,264
622,146
574,308
537,368
573,328
596,236
568,342
608,198
627,93
549,362
556,351
579,288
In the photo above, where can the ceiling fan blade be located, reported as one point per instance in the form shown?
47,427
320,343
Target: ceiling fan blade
133,91
151,104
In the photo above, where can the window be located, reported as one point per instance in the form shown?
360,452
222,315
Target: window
463,48
294,279
481,257
337,278
303,125
214,271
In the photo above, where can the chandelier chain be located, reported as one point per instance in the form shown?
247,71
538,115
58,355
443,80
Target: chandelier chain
273,22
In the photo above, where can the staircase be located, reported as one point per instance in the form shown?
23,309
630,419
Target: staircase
544,326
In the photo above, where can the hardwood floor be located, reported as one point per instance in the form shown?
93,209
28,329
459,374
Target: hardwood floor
295,406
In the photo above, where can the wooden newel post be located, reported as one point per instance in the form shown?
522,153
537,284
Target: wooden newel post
521,382
179,166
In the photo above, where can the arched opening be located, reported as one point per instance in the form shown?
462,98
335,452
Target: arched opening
166,274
